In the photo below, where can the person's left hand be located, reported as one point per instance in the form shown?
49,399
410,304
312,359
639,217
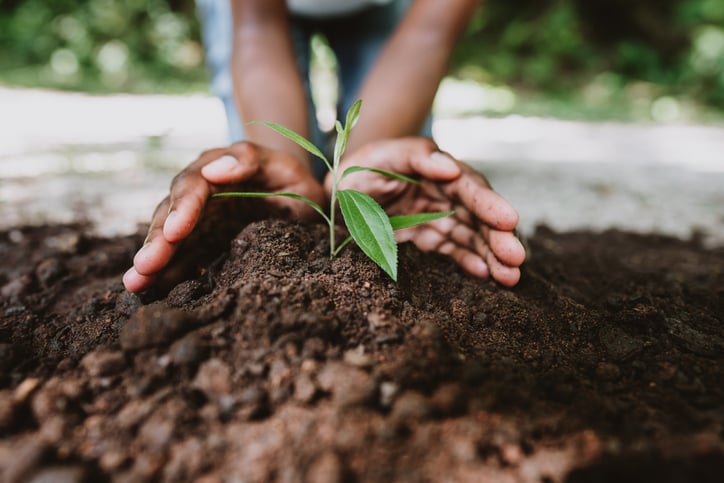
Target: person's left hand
479,236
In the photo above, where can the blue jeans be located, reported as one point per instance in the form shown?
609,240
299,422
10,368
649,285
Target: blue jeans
356,40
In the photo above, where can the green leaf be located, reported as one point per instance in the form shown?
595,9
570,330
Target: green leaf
301,141
353,115
340,145
286,194
406,221
370,228
389,174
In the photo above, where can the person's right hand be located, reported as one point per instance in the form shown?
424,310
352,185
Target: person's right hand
239,167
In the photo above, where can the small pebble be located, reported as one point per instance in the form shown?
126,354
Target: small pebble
213,379
411,405
16,287
153,325
304,388
357,357
102,362
59,474
349,386
327,468
607,371
48,271
187,350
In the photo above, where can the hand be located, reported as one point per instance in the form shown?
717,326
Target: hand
241,166
479,236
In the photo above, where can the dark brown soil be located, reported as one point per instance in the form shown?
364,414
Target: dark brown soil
277,364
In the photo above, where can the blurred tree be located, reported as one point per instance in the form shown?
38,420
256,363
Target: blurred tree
101,45
600,48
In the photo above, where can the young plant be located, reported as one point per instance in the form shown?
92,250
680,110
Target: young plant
368,224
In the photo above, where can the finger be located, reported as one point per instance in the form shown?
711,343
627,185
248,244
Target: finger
420,156
189,192
156,250
435,165
499,256
239,163
504,275
469,261
192,187
501,273
506,247
488,206
135,282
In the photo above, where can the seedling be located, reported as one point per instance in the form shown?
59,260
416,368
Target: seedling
368,224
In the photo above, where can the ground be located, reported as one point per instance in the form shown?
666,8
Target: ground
276,364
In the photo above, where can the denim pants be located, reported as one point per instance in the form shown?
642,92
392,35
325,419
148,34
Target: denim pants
356,39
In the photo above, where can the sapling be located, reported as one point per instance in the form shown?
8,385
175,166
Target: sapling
368,224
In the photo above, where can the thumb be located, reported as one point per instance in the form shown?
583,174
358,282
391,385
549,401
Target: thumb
228,169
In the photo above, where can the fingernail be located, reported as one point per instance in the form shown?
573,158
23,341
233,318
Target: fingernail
173,226
221,166
171,219
443,160
140,254
481,269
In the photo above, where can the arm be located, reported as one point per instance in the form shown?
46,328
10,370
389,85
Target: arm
399,92
267,85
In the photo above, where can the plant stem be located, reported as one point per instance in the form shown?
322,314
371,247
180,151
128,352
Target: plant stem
332,203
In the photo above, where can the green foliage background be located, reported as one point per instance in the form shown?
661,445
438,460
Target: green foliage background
101,45
582,52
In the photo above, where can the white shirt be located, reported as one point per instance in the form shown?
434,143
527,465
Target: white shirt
330,8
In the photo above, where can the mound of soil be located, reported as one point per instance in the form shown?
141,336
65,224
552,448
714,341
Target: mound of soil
277,364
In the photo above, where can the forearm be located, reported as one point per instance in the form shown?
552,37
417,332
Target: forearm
267,84
399,92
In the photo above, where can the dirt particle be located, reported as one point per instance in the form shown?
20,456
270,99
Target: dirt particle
607,371
25,389
511,454
16,287
186,460
448,399
185,292
411,406
7,409
357,357
619,345
68,242
327,468
349,386
26,454
388,392
213,379
59,474
188,350
304,388
103,362
48,271
127,303
54,397
693,340
155,324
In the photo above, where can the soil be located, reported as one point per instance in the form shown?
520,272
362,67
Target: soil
276,364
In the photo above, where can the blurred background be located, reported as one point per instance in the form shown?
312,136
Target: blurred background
584,113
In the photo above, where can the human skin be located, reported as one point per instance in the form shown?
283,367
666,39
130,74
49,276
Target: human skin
403,82
223,169
479,237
